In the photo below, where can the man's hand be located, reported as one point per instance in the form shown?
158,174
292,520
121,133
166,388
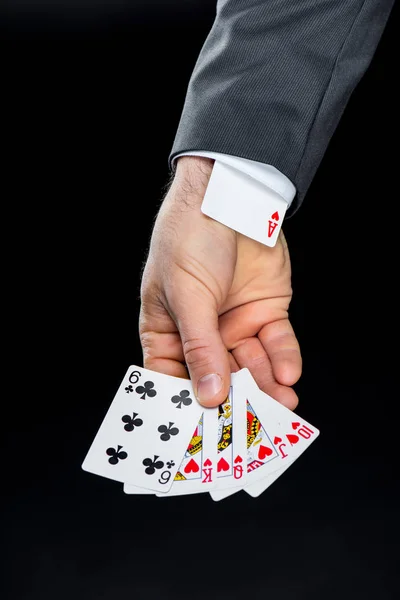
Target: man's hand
215,299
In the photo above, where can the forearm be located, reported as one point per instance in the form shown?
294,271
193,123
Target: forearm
273,79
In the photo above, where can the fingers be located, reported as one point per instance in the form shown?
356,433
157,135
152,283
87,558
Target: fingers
205,354
252,355
273,358
270,351
233,364
198,344
283,350
172,361
162,352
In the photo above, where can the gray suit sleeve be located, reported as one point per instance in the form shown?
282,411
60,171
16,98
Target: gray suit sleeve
274,77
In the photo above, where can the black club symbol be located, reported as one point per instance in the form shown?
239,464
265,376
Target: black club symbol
129,388
183,398
116,455
131,422
152,465
167,432
170,464
146,389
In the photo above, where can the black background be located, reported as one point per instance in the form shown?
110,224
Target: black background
92,96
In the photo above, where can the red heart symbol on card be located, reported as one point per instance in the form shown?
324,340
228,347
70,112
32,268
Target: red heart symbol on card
295,425
222,465
191,467
263,451
293,439
238,459
275,216
277,440
207,463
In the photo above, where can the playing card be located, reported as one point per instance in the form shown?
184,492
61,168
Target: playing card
223,201
146,430
197,470
259,448
276,436
289,433
231,465
257,488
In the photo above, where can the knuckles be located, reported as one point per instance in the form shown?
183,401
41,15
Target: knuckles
197,353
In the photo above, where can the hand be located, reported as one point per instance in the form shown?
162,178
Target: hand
215,299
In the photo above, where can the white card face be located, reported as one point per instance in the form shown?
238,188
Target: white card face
198,469
146,430
275,437
244,204
261,454
231,459
289,433
135,490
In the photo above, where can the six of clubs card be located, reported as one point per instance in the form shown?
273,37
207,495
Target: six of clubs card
157,439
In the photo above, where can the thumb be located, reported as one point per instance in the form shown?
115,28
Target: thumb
205,354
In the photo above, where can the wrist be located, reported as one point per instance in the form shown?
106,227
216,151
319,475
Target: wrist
192,175
194,167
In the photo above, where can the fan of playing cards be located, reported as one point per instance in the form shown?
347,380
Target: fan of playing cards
157,439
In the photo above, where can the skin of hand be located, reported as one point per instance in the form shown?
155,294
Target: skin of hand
214,301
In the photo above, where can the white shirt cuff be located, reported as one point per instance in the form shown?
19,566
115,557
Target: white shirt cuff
248,196
266,174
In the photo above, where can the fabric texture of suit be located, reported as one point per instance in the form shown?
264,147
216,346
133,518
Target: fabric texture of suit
274,77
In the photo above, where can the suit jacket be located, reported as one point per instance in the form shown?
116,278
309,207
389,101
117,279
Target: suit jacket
274,77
